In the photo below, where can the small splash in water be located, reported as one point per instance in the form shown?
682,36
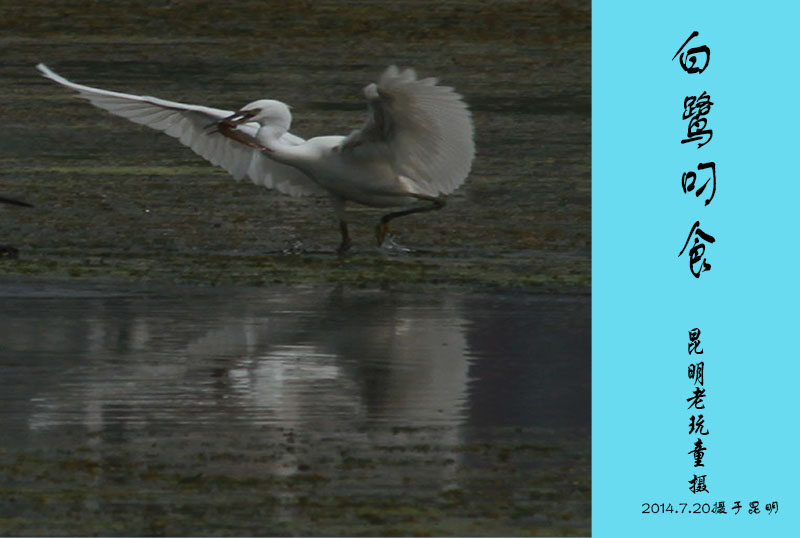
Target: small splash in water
392,247
295,247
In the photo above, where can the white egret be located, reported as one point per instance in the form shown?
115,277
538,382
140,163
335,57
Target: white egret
416,144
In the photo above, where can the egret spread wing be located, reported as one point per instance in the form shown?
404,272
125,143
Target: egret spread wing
190,124
424,129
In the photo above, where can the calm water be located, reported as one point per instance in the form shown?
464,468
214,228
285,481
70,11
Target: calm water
332,410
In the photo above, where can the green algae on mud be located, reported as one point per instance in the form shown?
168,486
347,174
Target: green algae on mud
219,269
88,491
193,224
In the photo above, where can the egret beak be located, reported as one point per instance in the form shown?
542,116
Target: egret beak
237,118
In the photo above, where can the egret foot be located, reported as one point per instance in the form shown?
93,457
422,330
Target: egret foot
294,247
392,247
383,225
344,247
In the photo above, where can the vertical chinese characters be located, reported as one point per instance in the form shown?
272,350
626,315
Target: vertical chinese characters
700,179
696,373
694,60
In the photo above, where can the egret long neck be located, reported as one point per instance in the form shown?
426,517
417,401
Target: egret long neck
270,133
298,156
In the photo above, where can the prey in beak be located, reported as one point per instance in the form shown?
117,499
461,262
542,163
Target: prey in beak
227,128
237,118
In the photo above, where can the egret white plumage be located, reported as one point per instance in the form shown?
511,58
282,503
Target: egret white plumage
416,144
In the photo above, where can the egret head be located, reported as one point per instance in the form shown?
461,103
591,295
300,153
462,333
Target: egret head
264,112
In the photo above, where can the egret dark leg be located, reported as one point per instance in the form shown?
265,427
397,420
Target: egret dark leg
383,226
345,245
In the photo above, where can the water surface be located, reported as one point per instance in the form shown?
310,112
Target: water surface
292,411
